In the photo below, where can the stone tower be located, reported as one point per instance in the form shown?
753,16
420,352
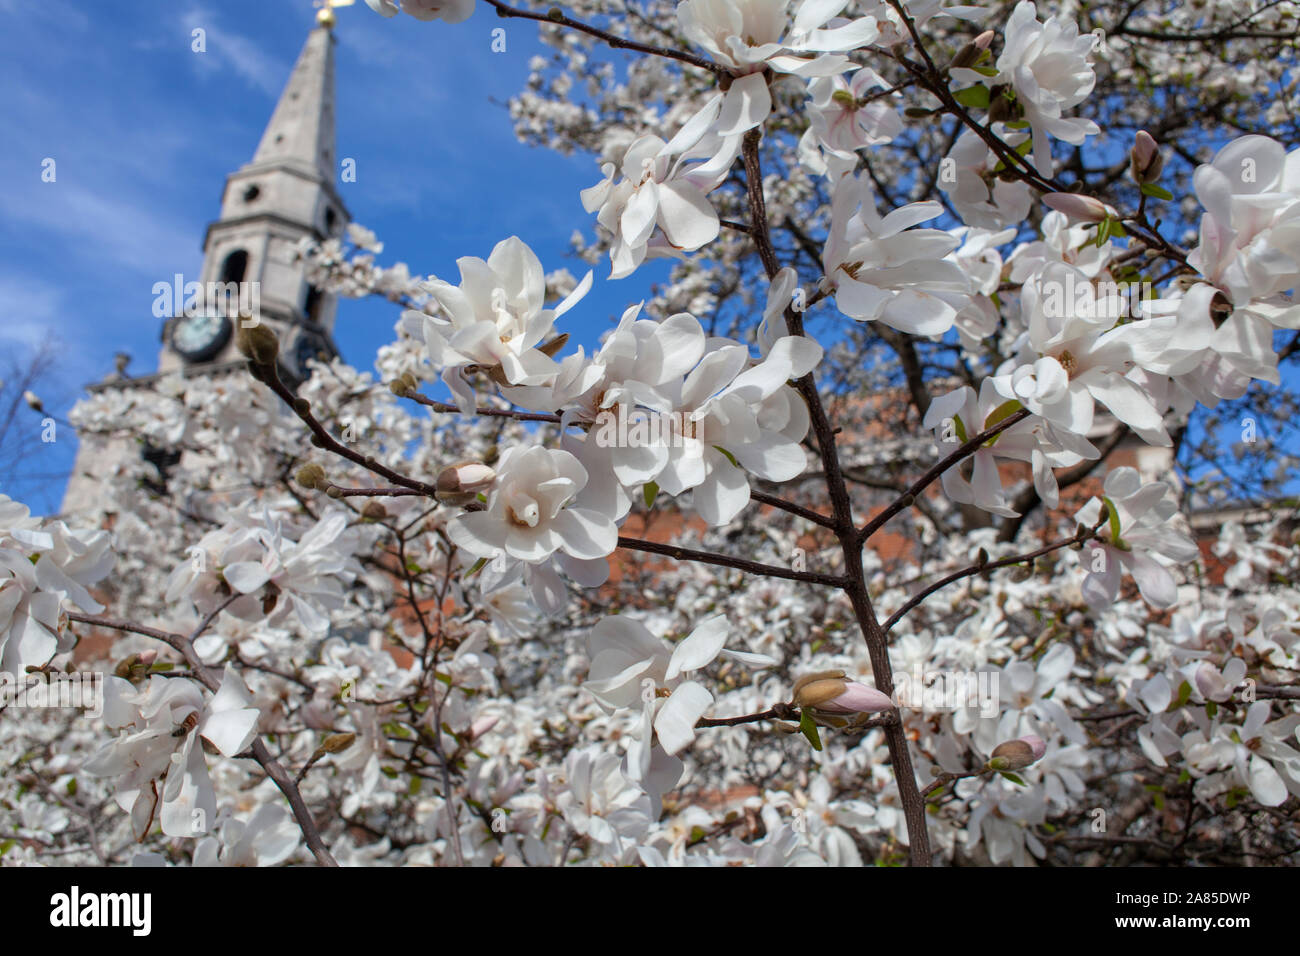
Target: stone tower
284,194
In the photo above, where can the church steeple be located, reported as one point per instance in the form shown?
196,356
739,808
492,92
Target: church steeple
301,130
285,194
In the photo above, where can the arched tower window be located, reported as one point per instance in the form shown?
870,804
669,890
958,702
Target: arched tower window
233,269
311,308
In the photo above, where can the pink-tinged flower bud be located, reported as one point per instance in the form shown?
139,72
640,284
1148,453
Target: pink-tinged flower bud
460,482
1076,207
1017,754
969,54
481,726
148,657
1145,161
830,692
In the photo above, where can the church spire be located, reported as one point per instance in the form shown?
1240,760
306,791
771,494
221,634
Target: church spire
284,196
301,130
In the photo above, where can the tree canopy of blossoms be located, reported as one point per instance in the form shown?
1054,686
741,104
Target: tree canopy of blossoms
843,546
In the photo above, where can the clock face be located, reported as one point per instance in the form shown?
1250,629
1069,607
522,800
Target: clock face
200,337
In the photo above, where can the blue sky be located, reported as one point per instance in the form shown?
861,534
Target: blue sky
144,131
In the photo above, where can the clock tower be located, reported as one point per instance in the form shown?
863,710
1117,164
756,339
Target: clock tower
269,205
284,195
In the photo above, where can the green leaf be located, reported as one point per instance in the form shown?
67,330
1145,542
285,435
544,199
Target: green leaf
1211,709
1014,778
999,414
395,729
730,457
985,70
960,427
1117,229
1156,192
650,491
1184,694
976,97
1112,515
72,787
808,727
1103,231
389,772
478,566
414,786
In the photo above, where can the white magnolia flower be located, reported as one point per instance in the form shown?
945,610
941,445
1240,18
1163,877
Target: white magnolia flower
663,402
658,190
268,838
980,198
1250,247
275,575
453,11
494,319
1072,356
1046,63
845,116
1137,528
631,665
747,36
1250,233
530,513
883,270
43,570
979,258
961,415
156,758
1061,242
599,802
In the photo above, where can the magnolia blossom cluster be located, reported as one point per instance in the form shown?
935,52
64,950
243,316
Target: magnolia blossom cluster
457,669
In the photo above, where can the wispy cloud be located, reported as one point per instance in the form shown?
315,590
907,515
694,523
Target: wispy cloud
240,54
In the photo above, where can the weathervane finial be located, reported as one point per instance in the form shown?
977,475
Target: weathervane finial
325,15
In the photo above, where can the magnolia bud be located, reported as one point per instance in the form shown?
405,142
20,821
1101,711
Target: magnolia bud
336,743
482,726
1145,161
830,692
310,475
374,511
970,53
460,482
258,344
31,399
1077,207
1017,754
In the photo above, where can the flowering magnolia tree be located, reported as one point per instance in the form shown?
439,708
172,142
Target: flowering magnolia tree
843,547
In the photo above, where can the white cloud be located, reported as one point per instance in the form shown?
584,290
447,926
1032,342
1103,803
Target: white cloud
242,55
